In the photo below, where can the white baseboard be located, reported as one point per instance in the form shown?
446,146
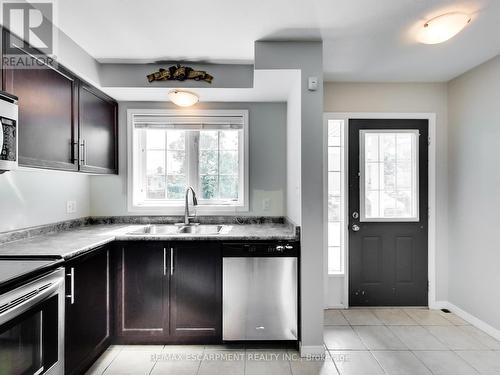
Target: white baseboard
438,305
340,306
478,323
311,350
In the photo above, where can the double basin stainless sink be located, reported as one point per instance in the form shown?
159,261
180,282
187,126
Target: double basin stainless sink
191,229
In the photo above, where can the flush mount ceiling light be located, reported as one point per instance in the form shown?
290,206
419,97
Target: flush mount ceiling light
441,28
183,98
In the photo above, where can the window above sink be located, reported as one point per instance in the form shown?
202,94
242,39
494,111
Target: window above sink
172,149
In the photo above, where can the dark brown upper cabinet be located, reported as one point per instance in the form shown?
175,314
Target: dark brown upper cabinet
98,131
64,122
48,128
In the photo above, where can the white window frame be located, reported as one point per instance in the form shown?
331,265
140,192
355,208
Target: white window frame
177,208
362,177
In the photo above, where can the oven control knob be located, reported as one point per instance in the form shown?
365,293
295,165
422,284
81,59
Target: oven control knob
280,248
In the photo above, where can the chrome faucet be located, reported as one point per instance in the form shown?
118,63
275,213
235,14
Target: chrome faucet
186,210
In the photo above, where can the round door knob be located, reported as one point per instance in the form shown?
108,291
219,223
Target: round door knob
355,228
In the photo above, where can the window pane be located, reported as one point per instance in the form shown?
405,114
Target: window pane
228,187
155,188
155,139
334,132
334,158
155,162
334,209
208,185
208,162
372,204
228,140
209,140
228,162
334,260
334,183
371,147
334,234
176,162
390,175
176,140
372,176
176,186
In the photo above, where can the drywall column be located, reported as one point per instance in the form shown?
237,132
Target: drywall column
308,58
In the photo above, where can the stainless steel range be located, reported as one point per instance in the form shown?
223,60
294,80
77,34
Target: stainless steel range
32,321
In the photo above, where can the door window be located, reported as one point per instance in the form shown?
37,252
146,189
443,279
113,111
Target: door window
389,175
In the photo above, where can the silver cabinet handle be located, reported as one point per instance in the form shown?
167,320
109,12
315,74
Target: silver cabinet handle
83,158
171,261
71,296
164,261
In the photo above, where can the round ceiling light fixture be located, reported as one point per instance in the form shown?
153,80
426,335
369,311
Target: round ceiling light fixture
441,28
183,98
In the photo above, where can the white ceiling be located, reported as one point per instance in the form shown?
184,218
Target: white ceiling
364,40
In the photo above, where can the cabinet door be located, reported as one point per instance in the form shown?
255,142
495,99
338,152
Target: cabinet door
87,311
98,131
196,303
142,296
47,122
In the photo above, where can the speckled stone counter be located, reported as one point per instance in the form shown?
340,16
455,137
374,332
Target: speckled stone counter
71,242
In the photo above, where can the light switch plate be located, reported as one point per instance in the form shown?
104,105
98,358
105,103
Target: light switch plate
70,207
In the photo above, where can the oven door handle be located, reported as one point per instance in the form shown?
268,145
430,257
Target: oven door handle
25,298
1,137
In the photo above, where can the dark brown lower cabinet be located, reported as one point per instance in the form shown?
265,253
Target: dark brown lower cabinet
142,292
196,292
168,292
87,330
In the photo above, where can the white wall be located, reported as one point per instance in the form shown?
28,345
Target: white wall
31,197
293,153
409,98
474,199
267,130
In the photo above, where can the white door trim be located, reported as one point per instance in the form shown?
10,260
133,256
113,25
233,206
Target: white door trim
431,117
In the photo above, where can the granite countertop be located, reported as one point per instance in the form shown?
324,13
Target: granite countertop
70,243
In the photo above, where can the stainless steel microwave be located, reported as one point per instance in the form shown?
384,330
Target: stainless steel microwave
9,137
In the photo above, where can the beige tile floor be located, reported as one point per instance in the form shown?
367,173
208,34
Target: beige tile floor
358,342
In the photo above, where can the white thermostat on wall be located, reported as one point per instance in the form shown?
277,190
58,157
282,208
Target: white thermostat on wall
313,83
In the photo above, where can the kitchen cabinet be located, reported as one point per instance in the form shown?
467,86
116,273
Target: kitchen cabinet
98,131
64,122
48,128
142,292
87,329
196,290
168,292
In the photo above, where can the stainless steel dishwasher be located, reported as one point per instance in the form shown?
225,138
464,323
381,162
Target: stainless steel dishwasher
259,291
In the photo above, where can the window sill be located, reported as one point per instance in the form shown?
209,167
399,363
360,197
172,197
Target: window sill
179,210
334,275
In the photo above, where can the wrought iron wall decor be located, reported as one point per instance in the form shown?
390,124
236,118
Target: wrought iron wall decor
179,73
